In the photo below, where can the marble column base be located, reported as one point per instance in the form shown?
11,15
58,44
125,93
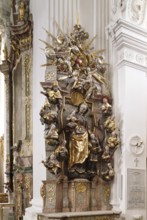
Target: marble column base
32,212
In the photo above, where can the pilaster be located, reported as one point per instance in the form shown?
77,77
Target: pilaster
129,42
4,68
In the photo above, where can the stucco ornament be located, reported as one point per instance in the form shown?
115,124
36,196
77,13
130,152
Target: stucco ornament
137,10
123,5
114,6
118,7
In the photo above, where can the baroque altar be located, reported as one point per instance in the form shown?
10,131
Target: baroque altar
80,131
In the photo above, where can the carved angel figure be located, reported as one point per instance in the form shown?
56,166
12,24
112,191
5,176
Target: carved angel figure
109,124
113,141
109,173
52,164
53,94
47,116
106,107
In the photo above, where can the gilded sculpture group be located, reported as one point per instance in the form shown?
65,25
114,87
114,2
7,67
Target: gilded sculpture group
77,113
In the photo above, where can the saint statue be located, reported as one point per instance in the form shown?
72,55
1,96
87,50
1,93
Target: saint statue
21,11
78,140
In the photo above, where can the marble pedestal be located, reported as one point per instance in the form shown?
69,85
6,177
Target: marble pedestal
79,195
76,195
52,193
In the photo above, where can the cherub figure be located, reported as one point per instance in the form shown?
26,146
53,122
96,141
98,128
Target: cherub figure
109,124
48,116
53,94
109,173
106,107
106,154
113,141
51,132
52,164
61,152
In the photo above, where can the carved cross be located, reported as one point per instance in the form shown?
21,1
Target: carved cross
136,161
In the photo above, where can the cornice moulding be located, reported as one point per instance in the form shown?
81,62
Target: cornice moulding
123,63
121,23
125,34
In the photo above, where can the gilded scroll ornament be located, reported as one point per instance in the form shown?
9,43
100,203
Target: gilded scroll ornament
51,192
81,187
2,147
42,191
27,66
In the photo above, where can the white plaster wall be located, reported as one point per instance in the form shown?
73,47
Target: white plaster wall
2,107
40,11
132,97
130,105
2,118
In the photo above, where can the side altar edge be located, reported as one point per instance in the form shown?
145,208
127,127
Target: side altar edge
92,215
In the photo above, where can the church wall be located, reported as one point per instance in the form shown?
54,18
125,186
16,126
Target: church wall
129,90
40,18
44,13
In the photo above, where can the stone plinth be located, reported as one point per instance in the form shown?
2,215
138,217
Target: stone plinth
52,196
92,215
76,195
100,196
79,195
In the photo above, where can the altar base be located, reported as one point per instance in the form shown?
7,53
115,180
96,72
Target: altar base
91,215
52,196
79,195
